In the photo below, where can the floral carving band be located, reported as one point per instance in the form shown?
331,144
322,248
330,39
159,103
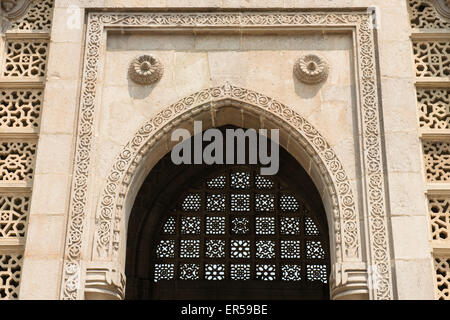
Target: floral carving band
108,220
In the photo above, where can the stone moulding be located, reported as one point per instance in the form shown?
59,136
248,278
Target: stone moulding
373,175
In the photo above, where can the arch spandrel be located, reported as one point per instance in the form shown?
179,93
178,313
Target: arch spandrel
136,159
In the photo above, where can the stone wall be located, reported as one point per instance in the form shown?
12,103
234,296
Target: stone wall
430,34
261,61
24,50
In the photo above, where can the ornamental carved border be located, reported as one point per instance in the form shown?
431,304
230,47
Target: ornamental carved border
358,22
110,214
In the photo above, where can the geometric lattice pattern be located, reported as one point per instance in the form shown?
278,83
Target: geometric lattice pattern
240,227
166,249
432,58
191,202
10,269
37,18
263,183
265,225
217,183
290,249
434,108
190,225
215,249
240,180
189,272
215,225
17,161
439,208
265,249
240,202
266,272
290,225
164,271
240,272
317,272
437,161
424,16
314,250
215,202
170,225
291,273
20,108
26,58
265,202
310,227
442,268
13,215
288,203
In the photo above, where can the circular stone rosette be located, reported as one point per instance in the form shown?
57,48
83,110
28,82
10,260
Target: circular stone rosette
145,70
311,69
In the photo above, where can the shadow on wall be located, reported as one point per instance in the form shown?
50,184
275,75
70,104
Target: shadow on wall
137,91
306,91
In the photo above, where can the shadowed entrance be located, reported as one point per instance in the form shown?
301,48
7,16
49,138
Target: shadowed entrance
226,232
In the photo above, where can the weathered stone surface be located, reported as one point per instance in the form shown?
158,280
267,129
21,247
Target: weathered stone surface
92,112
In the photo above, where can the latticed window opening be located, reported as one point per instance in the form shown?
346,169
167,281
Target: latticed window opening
423,15
238,225
432,58
38,17
437,161
24,59
20,108
10,269
442,267
434,108
13,216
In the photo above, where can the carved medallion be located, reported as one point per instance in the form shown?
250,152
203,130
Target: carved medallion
442,7
145,70
14,9
311,69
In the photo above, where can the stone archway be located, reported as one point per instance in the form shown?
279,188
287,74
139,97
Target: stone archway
217,106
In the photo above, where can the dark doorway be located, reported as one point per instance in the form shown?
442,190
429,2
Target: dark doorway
226,232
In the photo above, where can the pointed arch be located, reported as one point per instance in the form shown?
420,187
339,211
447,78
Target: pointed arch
301,139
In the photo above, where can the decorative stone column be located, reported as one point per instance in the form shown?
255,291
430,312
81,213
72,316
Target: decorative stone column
104,282
349,281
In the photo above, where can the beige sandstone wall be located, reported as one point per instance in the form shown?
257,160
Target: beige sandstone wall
260,62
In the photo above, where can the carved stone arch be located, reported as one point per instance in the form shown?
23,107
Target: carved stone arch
218,106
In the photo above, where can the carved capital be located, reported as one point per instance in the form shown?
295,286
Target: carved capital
104,282
349,281
14,9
